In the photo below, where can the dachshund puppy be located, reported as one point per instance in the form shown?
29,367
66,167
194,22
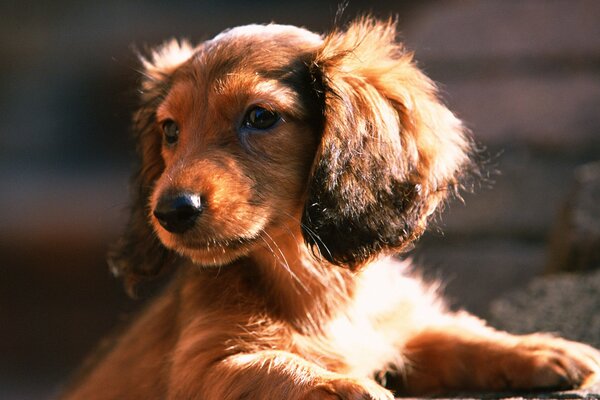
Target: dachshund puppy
281,170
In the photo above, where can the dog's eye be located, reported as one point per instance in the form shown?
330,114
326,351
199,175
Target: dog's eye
260,118
170,131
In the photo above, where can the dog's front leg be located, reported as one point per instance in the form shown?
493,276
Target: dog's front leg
465,355
275,375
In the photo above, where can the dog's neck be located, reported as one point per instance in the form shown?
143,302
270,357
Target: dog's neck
281,277
297,286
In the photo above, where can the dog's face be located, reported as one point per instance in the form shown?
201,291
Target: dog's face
270,130
238,124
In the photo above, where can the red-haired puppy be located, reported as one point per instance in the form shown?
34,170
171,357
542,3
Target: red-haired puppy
280,172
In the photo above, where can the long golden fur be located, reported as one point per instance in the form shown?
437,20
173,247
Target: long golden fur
303,163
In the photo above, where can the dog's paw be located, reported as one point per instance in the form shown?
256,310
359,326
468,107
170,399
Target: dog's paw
544,362
349,389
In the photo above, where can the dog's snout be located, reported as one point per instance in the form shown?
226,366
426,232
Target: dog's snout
178,213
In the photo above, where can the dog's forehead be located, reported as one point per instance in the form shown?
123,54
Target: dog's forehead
270,31
244,54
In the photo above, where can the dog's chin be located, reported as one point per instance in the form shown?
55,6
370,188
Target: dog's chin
209,252
212,258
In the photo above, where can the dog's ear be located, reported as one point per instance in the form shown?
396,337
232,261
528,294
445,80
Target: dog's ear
138,253
390,150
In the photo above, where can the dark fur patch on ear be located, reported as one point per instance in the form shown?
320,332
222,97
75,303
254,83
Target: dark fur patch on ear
345,236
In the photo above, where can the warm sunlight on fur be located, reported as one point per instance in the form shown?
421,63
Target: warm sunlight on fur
281,171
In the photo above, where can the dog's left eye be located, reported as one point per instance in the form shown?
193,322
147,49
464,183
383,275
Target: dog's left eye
170,131
260,118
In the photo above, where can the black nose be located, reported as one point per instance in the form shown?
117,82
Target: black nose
178,212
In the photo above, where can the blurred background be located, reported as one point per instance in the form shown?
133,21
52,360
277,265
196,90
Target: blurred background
525,76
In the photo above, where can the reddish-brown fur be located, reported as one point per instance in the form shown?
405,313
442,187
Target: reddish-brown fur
287,287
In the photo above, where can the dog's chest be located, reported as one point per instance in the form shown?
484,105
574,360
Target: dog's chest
370,333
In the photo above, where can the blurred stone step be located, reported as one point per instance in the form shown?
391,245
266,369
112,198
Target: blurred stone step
465,29
474,272
87,204
557,113
520,200
510,73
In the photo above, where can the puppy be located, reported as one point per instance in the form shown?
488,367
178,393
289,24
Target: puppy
280,172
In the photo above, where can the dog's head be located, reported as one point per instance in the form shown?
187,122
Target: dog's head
268,130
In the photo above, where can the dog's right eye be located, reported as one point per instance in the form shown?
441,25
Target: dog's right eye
259,118
170,131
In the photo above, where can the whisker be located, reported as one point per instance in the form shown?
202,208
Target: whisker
317,268
311,233
286,265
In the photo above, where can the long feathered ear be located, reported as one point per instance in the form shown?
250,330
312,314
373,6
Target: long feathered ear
138,254
390,151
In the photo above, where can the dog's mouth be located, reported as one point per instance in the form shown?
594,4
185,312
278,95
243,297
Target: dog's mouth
223,244
212,249
216,252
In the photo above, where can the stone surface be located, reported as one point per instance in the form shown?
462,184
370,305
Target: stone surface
575,242
590,393
566,305
563,304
